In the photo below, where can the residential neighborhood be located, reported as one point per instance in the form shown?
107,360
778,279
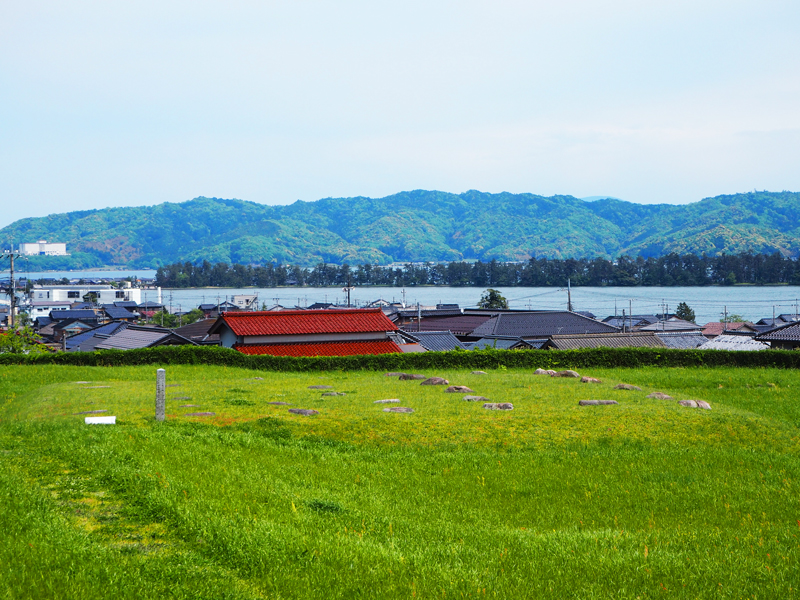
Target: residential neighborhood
85,316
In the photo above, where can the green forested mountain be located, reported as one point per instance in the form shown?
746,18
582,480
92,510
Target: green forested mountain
413,226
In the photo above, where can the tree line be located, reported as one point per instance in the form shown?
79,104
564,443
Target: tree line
668,270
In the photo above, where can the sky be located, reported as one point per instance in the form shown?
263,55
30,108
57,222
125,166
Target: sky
137,103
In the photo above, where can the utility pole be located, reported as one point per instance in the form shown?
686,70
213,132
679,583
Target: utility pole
12,290
569,296
724,319
623,320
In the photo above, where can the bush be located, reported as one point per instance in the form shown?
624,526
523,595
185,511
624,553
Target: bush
486,359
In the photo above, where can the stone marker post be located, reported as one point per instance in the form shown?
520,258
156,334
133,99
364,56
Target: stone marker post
161,390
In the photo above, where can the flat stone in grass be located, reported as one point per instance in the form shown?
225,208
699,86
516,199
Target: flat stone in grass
660,396
627,386
306,412
398,409
200,414
91,412
475,399
567,373
590,380
596,402
435,381
189,406
181,398
544,372
333,394
280,403
387,401
458,389
695,404
320,387
96,387
256,379
498,406
479,373
411,376
393,374
81,382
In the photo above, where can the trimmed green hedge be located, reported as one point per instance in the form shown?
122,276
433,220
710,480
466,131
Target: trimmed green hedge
417,361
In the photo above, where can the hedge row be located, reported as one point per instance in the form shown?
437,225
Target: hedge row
484,359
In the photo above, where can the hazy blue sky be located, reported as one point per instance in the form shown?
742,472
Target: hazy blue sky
110,103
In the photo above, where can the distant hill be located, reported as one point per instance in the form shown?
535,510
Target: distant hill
412,226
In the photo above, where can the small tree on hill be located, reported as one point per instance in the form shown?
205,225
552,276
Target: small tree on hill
492,299
684,312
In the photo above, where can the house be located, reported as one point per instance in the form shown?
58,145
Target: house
42,308
713,329
130,337
119,313
540,324
733,342
784,337
432,341
460,325
212,311
198,332
340,332
682,340
505,343
245,301
102,293
671,324
603,340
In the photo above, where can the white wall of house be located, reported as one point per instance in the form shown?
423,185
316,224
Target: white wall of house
43,309
75,293
43,248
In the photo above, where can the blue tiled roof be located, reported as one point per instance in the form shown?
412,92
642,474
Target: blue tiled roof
540,324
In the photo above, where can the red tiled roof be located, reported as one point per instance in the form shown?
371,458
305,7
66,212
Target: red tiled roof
305,321
716,328
323,348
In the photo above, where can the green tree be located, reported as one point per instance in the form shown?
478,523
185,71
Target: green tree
684,312
492,299
733,318
22,341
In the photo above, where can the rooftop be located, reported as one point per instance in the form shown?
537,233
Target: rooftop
355,348
298,322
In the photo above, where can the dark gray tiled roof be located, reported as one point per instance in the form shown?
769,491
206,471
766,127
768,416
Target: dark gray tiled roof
75,342
607,340
540,324
82,314
116,312
672,325
682,340
139,337
436,341
786,333
459,325
198,332
506,343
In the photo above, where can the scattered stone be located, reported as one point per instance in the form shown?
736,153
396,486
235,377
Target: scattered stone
393,374
306,412
475,399
435,381
543,372
320,387
333,394
479,373
200,414
100,420
409,376
660,396
458,389
91,412
567,373
627,386
181,398
596,402
81,382
96,387
498,406
398,409
695,404
387,401
280,403
590,380
256,379
189,406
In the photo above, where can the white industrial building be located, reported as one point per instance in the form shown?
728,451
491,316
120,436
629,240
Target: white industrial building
43,248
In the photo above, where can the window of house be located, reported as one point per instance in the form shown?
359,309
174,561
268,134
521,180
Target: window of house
120,294
73,295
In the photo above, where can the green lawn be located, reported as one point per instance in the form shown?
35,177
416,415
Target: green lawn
646,499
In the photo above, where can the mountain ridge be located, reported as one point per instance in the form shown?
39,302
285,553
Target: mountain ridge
412,226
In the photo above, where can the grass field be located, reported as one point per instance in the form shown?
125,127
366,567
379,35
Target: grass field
646,499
